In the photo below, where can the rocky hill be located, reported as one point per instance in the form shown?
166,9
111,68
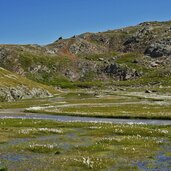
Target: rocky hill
137,55
149,38
14,87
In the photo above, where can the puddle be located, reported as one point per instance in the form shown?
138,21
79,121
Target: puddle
160,163
15,157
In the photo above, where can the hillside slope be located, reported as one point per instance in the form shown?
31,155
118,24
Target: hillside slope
14,87
152,38
137,55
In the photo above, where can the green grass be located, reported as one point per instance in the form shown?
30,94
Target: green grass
2,168
150,78
24,103
43,148
52,67
127,104
98,57
138,112
9,79
81,146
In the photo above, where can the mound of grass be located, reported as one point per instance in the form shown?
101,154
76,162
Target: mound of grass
43,148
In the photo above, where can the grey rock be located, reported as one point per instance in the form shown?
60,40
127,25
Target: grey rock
138,36
159,48
154,64
38,68
21,92
121,72
101,59
71,75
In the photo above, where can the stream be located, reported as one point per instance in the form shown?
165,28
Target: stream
19,113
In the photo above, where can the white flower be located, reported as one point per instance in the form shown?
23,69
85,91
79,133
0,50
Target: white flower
88,162
34,130
163,131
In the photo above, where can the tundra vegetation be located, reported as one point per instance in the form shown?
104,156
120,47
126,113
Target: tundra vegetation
49,145
122,73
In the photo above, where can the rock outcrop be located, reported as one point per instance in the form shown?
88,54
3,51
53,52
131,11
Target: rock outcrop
121,73
160,48
21,92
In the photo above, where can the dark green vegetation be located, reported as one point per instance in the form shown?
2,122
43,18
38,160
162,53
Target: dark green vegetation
47,145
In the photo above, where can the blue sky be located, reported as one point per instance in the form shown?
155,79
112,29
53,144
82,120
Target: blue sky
43,21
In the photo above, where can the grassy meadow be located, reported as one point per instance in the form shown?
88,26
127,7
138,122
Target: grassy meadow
31,144
110,104
49,145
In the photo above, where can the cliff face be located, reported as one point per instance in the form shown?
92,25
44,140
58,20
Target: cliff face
134,53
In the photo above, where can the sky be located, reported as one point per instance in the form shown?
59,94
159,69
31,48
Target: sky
44,21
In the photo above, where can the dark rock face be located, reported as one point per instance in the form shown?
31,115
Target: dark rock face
121,73
130,40
113,68
160,48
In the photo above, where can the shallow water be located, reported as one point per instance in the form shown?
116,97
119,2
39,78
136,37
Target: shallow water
162,162
73,139
62,118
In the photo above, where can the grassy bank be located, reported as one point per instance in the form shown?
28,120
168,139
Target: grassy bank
139,105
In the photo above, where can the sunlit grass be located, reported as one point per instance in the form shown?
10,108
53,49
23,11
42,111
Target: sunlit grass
116,105
85,146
